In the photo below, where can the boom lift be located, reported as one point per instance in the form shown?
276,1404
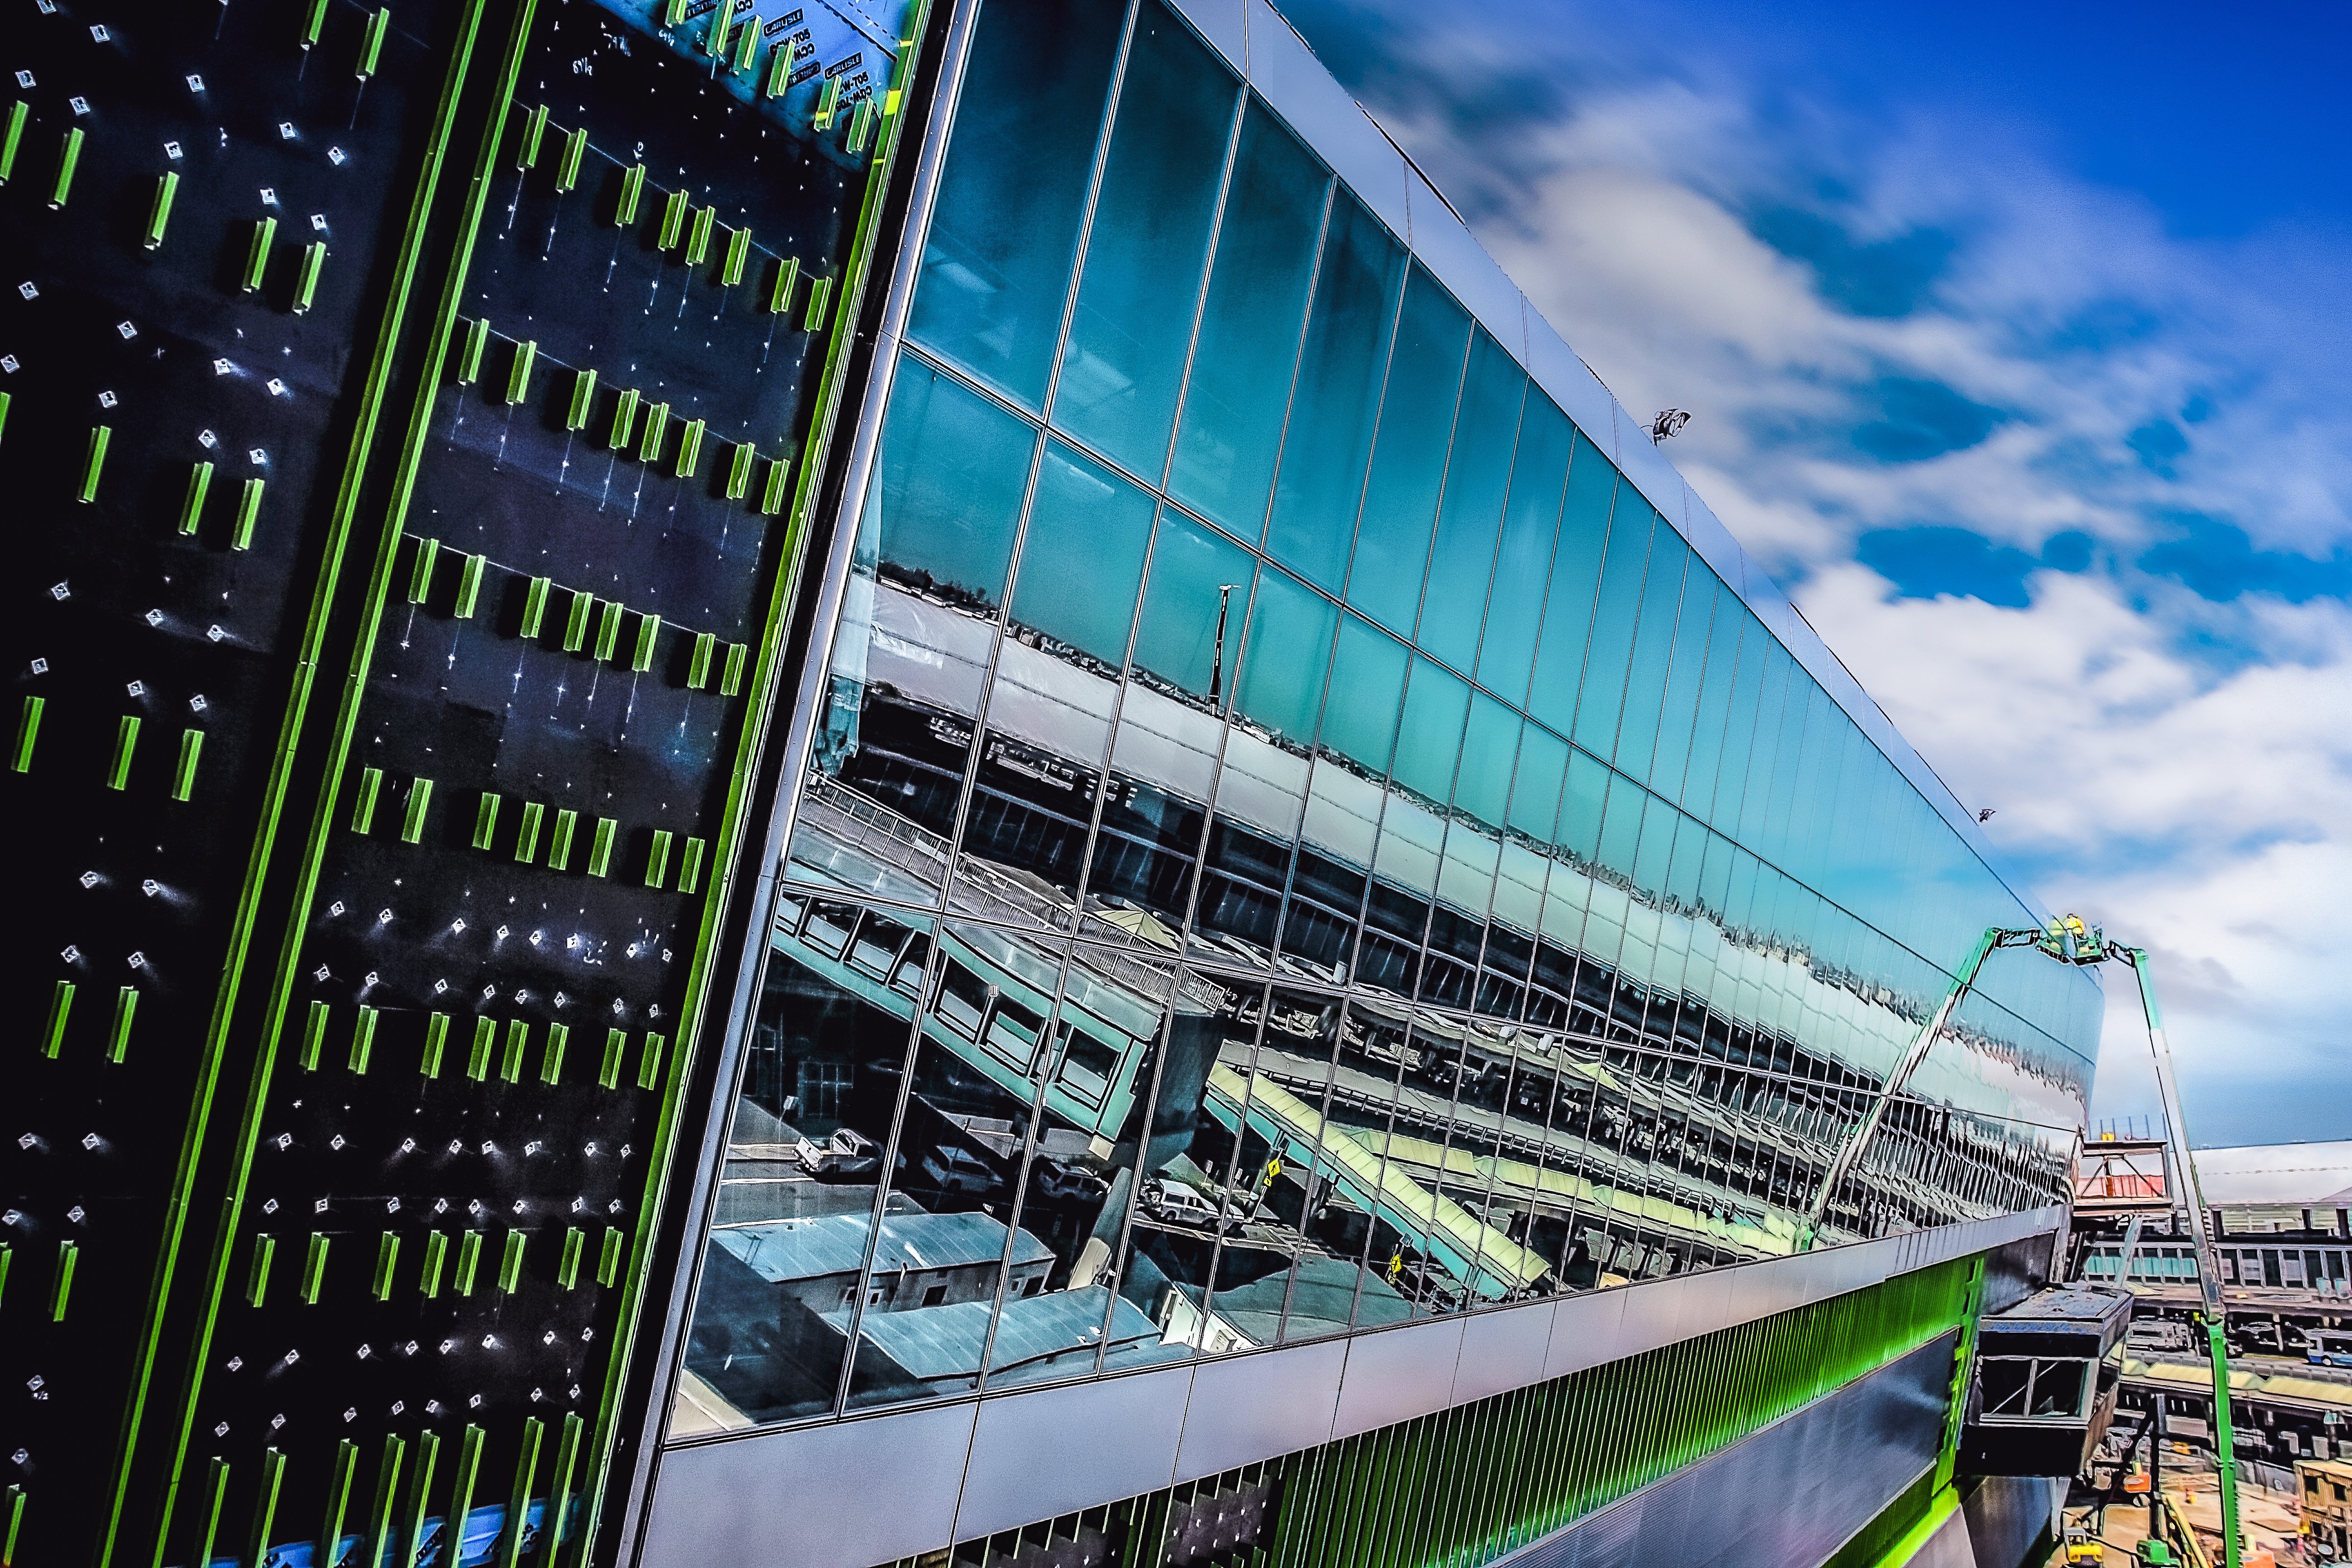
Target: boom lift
2070,940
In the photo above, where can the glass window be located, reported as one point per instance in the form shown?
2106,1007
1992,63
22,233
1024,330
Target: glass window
1287,656
1584,516
1125,360
1429,737
996,265
1653,654
1478,476
1490,745
1359,716
1240,383
1338,396
953,467
1082,559
1408,469
1616,616
1194,606
1523,558
1535,793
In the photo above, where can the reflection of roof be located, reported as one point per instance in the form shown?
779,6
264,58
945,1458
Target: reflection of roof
1053,1334
781,1250
2314,1175
1319,1301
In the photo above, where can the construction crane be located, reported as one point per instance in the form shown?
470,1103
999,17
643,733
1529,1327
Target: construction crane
2071,940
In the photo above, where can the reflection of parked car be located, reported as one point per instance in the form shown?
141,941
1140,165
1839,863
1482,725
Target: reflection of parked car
847,1156
1173,1203
1059,1180
954,1170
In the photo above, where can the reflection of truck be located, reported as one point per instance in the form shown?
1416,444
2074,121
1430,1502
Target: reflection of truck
1173,1203
847,1156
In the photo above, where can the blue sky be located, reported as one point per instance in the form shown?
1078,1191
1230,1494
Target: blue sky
2016,344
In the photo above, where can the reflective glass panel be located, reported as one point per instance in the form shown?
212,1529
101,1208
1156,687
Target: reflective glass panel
1408,471
1125,358
1584,518
1478,476
996,265
1523,558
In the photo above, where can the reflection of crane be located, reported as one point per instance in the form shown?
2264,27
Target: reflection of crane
2072,941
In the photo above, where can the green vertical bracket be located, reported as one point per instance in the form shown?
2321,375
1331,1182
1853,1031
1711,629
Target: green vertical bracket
526,354
126,1009
583,400
641,658
672,223
689,448
371,43
558,843
93,462
559,1487
256,253
248,512
534,132
550,1062
314,25
437,1036
28,729
7,1253
436,1254
608,630
697,242
657,860
216,1494
375,1540
362,1039
738,471
632,187
780,68
338,1500
772,498
731,682
256,1277
698,670
126,744
486,1040
12,1504
690,868
567,1272
387,1259
828,104
575,151
649,1064
615,1042
527,836
510,1262
486,819
53,1033
534,607
469,587
715,40
575,624
408,1546
159,211
461,1492
820,297
657,426
625,420
600,851
469,358
314,1034
306,283
265,1504
420,573
420,796
61,1293
19,112
363,806
517,1042
191,751
861,128
739,253
749,49
469,1258
788,278
314,1268
608,1257
68,157
510,1548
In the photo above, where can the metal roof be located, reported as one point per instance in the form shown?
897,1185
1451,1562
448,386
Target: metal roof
1054,1334
782,1249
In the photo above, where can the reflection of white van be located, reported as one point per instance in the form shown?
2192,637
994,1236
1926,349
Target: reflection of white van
1173,1203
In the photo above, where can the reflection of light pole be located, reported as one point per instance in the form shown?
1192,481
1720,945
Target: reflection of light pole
1217,662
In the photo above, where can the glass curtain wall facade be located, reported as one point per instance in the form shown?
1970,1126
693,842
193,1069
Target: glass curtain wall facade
1294,840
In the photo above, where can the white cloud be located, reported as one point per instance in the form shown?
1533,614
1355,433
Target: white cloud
2179,767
